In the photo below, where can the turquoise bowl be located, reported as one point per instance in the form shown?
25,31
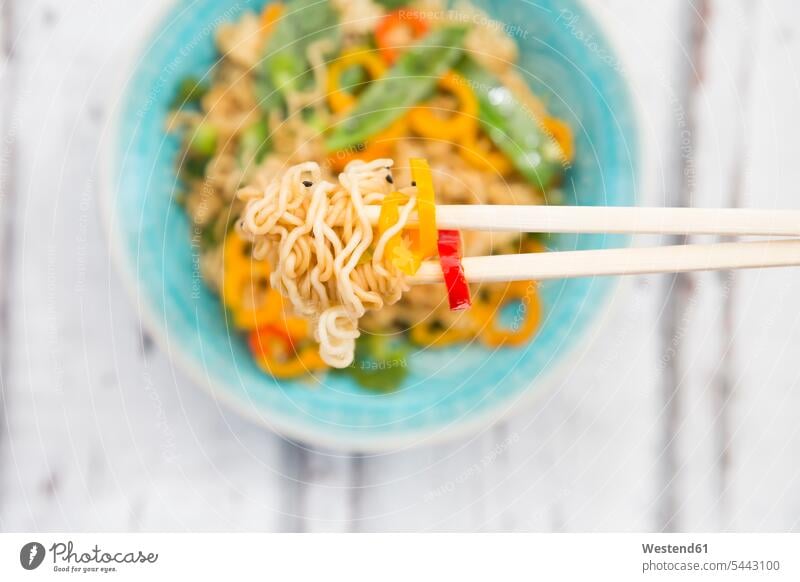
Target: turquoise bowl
448,392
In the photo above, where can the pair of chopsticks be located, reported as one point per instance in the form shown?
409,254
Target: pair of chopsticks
617,220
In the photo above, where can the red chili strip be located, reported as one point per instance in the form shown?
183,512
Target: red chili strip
450,260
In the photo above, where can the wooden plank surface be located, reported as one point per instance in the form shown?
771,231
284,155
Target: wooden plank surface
720,50
676,414
763,488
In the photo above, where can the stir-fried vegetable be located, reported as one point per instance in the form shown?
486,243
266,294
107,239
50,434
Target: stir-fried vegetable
285,66
454,279
514,129
378,91
412,79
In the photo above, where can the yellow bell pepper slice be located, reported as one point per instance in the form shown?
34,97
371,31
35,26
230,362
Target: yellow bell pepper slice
461,124
426,209
396,249
390,214
405,259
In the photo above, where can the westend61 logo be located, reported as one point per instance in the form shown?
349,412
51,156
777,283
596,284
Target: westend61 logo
66,559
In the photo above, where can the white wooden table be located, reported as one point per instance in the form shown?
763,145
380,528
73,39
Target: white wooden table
682,415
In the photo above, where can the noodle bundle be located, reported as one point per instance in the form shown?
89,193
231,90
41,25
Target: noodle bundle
317,237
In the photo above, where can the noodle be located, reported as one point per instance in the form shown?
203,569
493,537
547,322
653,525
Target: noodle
317,245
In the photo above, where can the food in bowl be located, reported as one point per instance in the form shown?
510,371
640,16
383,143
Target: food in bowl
310,103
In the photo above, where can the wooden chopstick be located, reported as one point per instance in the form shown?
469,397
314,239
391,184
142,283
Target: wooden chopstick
615,220
624,261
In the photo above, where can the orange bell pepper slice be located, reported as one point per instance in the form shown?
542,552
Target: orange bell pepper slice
269,17
487,313
274,351
339,99
488,160
240,275
562,135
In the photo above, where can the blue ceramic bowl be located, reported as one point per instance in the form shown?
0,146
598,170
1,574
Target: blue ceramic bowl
448,392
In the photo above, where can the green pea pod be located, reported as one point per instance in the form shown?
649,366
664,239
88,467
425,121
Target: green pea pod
285,66
411,80
513,128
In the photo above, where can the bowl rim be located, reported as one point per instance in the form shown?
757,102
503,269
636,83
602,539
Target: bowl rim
347,442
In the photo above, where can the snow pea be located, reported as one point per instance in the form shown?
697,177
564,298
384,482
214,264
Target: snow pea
513,128
410,80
